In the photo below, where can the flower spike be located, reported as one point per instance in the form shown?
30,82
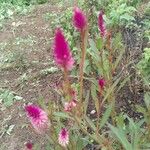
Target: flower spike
101,83
101,24
62,53
37,117
63,138
79,19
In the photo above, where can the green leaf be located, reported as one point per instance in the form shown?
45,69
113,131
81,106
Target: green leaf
141,109
87,67
86,101
99,43
18,98
62,115
118,59
94,53
8,101
9,130
127,17
81,143
146,146
120,120
90,123
123,83
119,133
94,96
147,99
106,115
112,88
8,97
117,43
135,132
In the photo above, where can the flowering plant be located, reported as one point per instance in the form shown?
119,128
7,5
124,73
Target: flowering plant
78,119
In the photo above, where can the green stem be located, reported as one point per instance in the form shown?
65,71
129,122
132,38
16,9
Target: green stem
111,97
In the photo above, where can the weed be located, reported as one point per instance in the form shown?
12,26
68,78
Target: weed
8,98
5,128
144,65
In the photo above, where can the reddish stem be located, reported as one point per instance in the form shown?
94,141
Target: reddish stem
83,56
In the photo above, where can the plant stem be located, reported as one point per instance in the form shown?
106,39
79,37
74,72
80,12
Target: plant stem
83,56
111,97
100,104
67,84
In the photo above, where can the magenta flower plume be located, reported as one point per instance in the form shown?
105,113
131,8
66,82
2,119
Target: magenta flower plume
63,138
29,146
62,53
79,19
101,24
37,117
101,83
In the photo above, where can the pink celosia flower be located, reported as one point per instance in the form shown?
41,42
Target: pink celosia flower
68,106
37,117
79,19
29,146
101,83
73,94
74,103
101,24
62,53
63,138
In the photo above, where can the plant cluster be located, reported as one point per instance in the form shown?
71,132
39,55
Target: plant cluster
85,117
10,7
144,64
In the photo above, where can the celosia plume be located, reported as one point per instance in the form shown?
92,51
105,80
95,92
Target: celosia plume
29,146
63,138
62,53
79,19
101,83
37,117
101,24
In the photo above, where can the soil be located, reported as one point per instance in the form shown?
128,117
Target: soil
34,25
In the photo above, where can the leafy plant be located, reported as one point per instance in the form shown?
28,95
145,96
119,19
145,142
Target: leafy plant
128,134
144,70
5,128
7,97
10,7
144,65
69,116
120,14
